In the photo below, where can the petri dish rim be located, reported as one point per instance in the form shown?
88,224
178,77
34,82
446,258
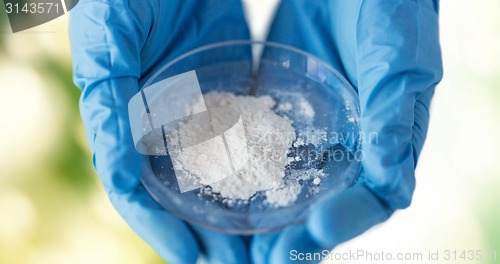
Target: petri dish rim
344,81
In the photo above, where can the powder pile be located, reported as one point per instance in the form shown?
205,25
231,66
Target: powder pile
264,140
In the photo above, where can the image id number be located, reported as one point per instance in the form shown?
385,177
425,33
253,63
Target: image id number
32,8
470,255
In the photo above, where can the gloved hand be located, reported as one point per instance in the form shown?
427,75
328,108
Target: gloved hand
116,46
389,50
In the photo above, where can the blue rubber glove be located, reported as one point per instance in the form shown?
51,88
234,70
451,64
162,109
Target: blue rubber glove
389,51
116,46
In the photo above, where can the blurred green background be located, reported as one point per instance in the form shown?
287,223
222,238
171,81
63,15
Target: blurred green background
54,210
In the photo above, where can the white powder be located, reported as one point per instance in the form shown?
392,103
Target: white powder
292,187
283,196
317,181
284,107
267,137
306,108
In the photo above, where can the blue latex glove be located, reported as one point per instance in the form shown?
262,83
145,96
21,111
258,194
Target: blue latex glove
116,46
389,50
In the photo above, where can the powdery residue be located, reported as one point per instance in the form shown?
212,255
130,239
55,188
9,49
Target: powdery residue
269,138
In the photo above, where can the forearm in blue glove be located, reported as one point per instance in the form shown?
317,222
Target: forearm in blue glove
116,46
389,50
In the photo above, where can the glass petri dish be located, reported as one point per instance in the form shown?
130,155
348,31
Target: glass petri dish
290,76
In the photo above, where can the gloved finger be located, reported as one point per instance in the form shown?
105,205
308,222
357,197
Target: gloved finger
421,123
261,246
170,237
346,215
184,25
393,59
307,35
106,40
399,63
326,30
397,73
291,245
221,248
340,218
